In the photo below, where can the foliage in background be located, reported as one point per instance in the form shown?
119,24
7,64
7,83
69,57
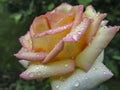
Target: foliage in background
15,19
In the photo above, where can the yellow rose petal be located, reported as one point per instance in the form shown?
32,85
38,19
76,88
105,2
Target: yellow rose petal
87,57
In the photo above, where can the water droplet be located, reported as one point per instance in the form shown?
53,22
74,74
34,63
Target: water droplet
66,65
64,27
37,68
86,78
57,86
104,72
37,55
94,68
75,37
77,84
42,66
79,33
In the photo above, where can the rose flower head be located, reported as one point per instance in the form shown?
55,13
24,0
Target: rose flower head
67,46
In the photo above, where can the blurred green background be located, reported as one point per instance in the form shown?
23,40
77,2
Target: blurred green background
15,19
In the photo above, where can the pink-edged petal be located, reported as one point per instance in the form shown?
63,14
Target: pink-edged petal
97,17
90,12
79,31
78,15
26,41
31,31
54,17
57,68
30,56
57,19
24,63
73,36
64,8
104,22
43,41
95,26
87,57
40,24
54,31
66,19
59,47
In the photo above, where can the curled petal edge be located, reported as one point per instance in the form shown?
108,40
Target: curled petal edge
30,56
74,36
87,57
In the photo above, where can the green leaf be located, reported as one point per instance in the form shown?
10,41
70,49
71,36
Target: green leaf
31,8
18,86
16,17
51,6
116,57
84,2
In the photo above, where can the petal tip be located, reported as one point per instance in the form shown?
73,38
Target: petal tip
25,76
24,63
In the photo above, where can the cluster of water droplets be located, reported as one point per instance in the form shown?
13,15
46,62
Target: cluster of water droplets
104,71
78,32
101,68
79,82
36,72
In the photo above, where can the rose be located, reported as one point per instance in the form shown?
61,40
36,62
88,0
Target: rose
67,45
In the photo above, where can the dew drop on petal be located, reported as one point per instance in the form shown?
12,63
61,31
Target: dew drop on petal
37,68
94,68
37,55
79,33
76,84
104,72
42,66
75,37
66,65
57,86
86,78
